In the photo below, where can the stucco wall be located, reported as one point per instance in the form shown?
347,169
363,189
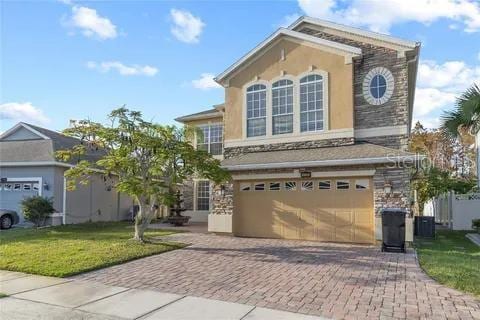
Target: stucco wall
395,111
96,202
298,59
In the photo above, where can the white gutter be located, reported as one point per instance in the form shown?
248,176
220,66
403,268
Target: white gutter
34,163
323,163
199,117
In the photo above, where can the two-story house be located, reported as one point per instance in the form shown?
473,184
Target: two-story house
315,129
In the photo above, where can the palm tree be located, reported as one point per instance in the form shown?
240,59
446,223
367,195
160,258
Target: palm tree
465,117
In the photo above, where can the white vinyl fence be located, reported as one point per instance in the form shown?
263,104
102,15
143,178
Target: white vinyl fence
455,211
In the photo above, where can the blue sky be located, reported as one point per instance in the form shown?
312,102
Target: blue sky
64,60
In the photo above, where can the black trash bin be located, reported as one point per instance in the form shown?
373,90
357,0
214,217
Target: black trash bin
393,229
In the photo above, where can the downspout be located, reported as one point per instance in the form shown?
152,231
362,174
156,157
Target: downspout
477,147
64,216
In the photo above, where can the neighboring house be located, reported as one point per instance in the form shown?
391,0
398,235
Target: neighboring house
28,167
316,123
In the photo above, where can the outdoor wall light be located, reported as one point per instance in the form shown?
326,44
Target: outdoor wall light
222,190
387,188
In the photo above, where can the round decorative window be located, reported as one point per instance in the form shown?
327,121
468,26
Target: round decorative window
378,86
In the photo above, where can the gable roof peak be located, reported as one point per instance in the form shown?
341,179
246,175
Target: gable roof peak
340,48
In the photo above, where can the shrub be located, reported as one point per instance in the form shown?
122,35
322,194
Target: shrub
36,209
476,224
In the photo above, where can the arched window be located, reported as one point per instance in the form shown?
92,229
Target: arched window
256,110
282,107
311,103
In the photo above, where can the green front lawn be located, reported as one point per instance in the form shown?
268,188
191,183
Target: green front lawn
452,260
67,250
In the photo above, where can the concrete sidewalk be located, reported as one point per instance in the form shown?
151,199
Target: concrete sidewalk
41,297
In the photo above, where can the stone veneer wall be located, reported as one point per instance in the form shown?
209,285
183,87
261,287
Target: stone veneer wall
395,142
400,197
222,204
235,151
395,111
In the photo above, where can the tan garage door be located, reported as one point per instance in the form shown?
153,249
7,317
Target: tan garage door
339,210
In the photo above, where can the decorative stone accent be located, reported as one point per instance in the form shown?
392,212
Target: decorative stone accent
232,152
395,142
399,197
222,204
395,111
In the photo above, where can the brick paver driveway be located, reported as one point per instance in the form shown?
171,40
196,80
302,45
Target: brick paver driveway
332,280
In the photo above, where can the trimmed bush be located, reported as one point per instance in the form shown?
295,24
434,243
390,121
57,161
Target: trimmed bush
37,209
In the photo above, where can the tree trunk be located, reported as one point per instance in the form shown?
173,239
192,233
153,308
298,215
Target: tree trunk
143,218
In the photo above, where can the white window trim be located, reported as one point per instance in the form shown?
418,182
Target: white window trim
195,192
268,111
269,137
208,124
295,93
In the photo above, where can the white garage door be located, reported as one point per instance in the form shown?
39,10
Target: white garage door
12,193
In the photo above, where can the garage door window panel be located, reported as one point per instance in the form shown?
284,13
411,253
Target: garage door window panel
259,186
290,185
307,186
362,184
343,184
17,187
27,187
7,187
245,186
274,186
35,186
324,185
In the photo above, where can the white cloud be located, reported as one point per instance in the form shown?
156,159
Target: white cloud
438,85
430,99
23,111
91,23
381,15
453,76
187,28
205,82
124,70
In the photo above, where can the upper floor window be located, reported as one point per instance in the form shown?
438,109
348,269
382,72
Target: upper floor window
211,139
256,110
311,103
282,107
